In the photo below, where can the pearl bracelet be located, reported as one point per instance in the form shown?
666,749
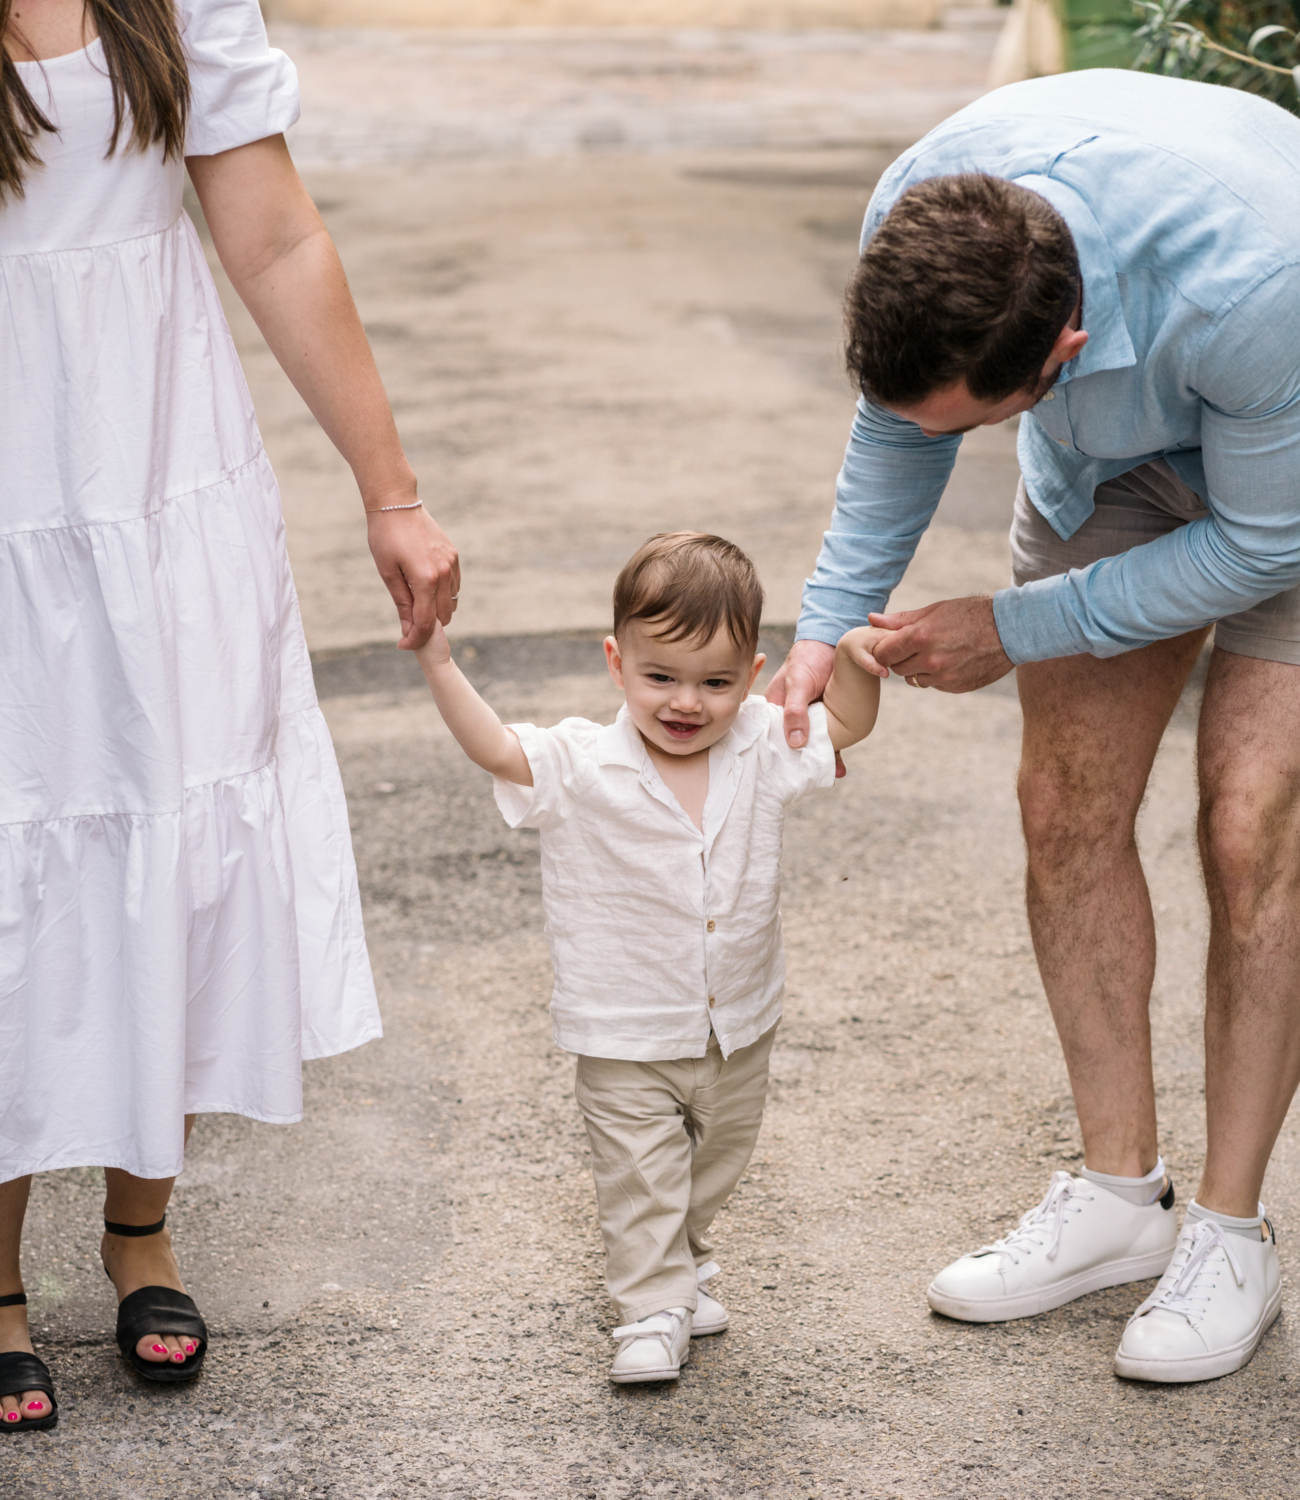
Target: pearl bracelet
414,505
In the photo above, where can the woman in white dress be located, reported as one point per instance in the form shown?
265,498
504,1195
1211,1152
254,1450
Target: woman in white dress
179,920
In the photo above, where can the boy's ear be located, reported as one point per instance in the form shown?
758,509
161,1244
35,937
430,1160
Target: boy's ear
613,660
759,661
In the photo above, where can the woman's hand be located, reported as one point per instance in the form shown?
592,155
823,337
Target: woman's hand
420,567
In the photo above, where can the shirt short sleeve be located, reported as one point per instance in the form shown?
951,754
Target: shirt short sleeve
561,762
241,88
799,772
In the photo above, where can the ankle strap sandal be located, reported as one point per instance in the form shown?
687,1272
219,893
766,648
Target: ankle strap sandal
157,1310
19,1372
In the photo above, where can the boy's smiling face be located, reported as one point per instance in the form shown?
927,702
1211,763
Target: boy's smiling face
683,696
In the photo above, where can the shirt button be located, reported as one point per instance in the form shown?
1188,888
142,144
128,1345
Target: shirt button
710,1002
712,924
1050,396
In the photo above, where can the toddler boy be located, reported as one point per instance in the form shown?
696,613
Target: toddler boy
661,850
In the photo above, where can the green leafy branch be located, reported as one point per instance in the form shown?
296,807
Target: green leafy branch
1218,41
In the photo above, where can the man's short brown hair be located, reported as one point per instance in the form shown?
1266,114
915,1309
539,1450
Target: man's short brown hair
688,585
967,277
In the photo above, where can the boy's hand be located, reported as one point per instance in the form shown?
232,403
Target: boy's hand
436,651
859,646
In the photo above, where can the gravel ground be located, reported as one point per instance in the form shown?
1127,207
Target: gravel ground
405,1291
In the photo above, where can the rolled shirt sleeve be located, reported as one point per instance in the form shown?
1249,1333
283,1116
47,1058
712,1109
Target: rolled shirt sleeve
241,88
559,761
892,480
798,772
1245,550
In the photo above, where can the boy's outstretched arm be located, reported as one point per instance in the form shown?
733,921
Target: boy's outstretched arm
852,696
478,730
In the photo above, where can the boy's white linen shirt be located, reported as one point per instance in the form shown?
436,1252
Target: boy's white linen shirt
647,916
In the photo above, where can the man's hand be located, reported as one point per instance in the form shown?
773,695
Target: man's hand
953,645
417,561
801,680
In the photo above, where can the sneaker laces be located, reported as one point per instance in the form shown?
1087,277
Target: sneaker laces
1188,1283
1043,1223
660,1325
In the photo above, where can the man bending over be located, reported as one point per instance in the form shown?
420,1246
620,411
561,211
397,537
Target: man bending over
1117,257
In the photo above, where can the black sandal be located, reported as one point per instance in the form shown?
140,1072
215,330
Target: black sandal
154,1308
19,1372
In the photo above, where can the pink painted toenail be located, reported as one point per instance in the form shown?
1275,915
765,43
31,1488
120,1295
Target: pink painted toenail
160,1348
179,1357
11,1416
189,1348
36,1406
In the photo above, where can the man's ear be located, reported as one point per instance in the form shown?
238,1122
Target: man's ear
1068,346
755,670
613,660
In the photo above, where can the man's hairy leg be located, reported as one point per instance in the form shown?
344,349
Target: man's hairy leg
1250,848
1091,731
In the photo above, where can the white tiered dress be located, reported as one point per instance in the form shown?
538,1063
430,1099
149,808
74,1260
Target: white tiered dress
179,918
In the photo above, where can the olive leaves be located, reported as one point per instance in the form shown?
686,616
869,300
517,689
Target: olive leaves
1191,39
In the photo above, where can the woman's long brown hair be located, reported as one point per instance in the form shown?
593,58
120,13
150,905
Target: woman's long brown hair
142,48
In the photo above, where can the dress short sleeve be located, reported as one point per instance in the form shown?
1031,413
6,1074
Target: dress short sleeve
241,88
799,772
561,762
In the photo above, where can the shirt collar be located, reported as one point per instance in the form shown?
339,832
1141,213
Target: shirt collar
1109,346
620,743
747,728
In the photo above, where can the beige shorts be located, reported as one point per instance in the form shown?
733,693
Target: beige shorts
1148,502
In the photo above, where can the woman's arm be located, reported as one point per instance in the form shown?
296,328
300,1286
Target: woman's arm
852,695
282,262
478,730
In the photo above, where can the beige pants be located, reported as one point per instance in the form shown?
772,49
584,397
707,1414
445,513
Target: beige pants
669,1141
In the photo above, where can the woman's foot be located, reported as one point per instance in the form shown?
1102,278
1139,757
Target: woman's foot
27,1406
147,1260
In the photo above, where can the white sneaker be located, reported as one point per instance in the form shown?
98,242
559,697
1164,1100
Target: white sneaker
710,1315
1079,1239
1218,1298
655,1348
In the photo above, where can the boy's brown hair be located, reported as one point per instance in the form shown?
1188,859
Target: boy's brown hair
692,585
967,277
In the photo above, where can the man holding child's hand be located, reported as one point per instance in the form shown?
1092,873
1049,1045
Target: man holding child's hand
1070,250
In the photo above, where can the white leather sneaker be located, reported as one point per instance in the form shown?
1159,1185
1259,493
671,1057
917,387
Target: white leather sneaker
1079,1239
654,1349
710,1315
1218,1298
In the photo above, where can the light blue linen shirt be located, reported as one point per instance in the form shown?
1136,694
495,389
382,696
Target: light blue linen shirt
1184,203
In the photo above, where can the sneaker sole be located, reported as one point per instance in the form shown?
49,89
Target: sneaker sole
1030,1304
702,1330
1201,1366
664,1372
